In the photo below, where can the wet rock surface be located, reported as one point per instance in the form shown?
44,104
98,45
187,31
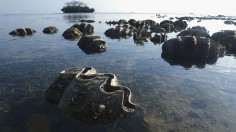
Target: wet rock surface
86,29
72,33
50,30
92,44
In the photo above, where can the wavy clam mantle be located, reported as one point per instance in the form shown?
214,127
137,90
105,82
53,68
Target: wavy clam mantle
76,7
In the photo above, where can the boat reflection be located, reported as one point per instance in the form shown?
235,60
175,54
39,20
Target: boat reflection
77,17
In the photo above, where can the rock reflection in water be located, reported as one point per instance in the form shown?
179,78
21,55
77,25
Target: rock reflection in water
187,63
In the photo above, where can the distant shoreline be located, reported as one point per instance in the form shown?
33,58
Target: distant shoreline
163,13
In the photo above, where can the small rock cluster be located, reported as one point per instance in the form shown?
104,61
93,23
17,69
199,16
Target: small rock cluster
88,43
77,30
142,30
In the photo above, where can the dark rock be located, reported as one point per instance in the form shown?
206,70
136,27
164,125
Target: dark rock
86,29
92,44
168,27
122,22
180,25
88,21
111,22
200,28
141,24
185,18
157,29
228,22
141,35
132,22
79,94
50,30
190,50
157,39
118,32
149,22
194,32
191,47
72,33
229,43
128,27
166,22
22,32
222,34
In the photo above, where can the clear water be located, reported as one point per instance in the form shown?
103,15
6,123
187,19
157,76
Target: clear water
170,97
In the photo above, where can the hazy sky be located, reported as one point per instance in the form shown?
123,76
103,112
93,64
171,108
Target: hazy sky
215,7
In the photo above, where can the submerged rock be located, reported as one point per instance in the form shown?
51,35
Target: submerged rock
92,44
90,96
22,32
198,104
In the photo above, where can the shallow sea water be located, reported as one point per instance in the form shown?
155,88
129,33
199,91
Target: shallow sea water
170,97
